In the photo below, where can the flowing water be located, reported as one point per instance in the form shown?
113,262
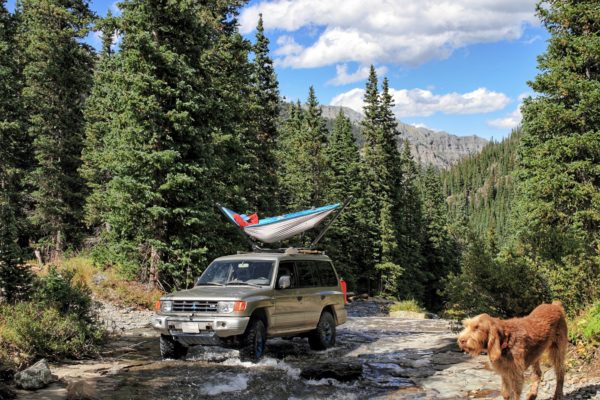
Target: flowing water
376,357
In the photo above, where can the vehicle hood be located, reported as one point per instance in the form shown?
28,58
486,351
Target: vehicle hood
218,293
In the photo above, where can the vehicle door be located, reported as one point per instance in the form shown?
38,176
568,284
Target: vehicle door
308,291
329,290
288,311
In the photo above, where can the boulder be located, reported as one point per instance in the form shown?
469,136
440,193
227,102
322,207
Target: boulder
35,377
341,371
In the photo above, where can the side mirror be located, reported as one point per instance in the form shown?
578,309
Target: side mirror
284,282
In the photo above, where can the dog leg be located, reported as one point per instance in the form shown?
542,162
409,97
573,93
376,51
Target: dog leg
537,377
506,389
518,380
557,354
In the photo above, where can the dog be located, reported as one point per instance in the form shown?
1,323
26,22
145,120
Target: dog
515,344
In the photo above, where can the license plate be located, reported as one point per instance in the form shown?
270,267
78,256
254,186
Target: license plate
190,327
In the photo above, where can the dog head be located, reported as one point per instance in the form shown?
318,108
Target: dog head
481,333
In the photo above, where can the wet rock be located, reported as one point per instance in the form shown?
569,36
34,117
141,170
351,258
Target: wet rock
35,377
80,390
340,371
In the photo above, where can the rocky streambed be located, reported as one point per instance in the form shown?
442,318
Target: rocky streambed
377,357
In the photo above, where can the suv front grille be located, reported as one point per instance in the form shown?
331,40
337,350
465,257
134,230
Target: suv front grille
194,306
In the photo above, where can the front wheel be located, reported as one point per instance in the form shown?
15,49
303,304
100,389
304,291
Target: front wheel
254,341
324,336
172,349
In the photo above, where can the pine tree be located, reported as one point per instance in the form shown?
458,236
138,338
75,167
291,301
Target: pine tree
57,77
380,176
168,146
14,280
371,174
264,112
559,156
292,181
438,249
315,142
409,222
303,171
98,123
344,241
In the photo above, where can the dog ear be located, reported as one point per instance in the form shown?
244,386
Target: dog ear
495,343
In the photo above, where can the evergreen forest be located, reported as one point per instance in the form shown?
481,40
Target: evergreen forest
122,154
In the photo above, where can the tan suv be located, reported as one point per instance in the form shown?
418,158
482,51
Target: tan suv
241,300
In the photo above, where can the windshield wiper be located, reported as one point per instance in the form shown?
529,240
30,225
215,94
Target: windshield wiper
242,283
210,283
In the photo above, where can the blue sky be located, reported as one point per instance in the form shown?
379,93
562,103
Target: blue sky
454,65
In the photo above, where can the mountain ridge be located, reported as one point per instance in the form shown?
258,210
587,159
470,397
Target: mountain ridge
428,147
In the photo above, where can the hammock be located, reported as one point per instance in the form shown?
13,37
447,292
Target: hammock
281,227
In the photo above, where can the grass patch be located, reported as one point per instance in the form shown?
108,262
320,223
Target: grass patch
407,305
584,331
109,285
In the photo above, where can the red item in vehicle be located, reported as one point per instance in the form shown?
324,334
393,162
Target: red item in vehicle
344,290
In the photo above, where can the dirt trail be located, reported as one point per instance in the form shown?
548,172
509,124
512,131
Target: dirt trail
399,359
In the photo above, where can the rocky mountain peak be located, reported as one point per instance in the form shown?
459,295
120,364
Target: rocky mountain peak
428,147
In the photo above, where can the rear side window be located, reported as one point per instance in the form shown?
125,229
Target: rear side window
307,274
326,273
286,268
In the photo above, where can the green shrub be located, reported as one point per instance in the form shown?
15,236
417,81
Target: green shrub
29,330
407,305
57,290
505,286
58,322
586,327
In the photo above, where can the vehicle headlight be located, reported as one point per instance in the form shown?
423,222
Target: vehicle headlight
166,305
226,307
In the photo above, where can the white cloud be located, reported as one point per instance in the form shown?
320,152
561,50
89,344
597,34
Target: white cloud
511,120
423,103
342,76
393,31
114,8
287,46
420,125
352,99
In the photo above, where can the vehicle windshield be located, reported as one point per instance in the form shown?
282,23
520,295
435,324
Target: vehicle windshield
237,272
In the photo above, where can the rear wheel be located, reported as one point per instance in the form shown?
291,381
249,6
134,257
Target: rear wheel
324,336
254,341
172,349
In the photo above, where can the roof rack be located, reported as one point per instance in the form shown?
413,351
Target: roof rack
286,250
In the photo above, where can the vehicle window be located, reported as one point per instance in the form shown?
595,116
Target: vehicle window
326,273
238,272
286,268
307,274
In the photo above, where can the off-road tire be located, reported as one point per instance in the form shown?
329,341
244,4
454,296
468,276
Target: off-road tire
324,336
169,348
254,341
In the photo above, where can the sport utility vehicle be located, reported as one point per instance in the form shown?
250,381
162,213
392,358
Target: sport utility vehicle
241,300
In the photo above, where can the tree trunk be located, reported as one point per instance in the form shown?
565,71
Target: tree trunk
154,261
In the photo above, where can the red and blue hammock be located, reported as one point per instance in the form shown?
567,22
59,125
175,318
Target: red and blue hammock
281,227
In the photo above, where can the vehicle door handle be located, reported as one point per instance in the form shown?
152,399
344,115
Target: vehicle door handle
299,298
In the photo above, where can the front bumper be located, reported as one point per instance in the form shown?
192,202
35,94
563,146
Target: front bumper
208,327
